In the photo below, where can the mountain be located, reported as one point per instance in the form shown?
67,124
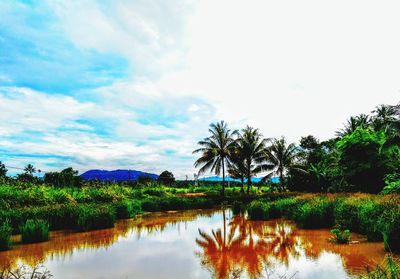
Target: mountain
116,175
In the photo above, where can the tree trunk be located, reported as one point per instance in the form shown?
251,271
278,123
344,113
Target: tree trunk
248,184
242,185
223,178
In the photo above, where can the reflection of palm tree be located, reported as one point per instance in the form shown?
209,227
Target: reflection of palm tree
248,247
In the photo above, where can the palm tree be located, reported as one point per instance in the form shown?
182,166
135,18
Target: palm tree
353,123
384,117
236,168
216,150
280,158
29,169
252,148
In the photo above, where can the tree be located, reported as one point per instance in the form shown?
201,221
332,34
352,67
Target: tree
29,169
166,177
353,123
252,148
3,170
384,117
280,158
216,150
363,161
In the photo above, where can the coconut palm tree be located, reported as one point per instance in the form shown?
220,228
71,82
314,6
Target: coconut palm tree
216,150
30,169
252,148
353,123
236,168
384,117
280,158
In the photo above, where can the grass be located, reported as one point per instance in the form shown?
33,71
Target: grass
34,231
5,236
94,218
389,269
376,216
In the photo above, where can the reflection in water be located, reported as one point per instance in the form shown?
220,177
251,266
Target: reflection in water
254,247
195,244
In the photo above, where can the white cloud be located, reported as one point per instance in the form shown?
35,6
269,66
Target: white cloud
288,67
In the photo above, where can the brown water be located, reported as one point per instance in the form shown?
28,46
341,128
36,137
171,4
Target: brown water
197,244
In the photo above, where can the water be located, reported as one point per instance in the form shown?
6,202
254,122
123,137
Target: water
197,244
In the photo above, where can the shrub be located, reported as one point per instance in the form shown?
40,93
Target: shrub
346,213
369,213
390,225
5,236
34,231
127,209
258,210
317,213
285,207
93,218
341,236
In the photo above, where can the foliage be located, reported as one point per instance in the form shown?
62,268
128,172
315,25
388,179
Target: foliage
3,170
341,236
93,218
364,165
66,178
389,269
258,210
5,235
216,150
34,231
166,177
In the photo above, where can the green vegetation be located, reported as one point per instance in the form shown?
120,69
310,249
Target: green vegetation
341,236
34,231
376,216
95,217
389,269
5,236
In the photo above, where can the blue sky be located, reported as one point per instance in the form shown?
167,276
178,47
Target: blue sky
135,84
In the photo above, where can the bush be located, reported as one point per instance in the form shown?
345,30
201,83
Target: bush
390,225
341,236
258,210
317,213
285,207
127,209
5,236
346,213
34,231
369,213
93,218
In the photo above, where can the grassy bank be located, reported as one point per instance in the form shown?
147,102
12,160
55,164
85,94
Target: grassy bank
376,216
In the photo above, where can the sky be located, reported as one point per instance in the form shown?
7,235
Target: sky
135,84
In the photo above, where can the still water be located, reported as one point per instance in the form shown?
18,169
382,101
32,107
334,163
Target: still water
197,244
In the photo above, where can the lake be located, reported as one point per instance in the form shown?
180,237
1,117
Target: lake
197,244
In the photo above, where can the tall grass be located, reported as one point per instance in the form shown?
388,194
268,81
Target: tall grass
34,231
390,269
94,218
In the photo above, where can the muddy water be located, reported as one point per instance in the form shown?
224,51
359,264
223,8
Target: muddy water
197,244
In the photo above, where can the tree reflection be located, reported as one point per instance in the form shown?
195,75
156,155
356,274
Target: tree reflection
246,246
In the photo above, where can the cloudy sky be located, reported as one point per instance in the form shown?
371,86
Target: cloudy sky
135,84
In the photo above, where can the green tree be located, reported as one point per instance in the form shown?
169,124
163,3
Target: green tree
166,177
281,158
363,161
3,170
216,150
252,148
29,169
354,122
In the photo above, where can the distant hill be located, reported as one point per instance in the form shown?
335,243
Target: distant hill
116,175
